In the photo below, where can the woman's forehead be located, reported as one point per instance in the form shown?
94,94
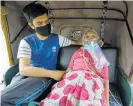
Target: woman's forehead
90,33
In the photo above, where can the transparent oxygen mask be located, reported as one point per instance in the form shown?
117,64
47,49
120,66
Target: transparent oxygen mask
95,51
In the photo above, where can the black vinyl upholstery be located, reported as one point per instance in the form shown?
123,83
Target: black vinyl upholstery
11,72
66,53
64,56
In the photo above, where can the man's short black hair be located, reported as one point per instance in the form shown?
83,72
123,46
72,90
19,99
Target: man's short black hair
33,10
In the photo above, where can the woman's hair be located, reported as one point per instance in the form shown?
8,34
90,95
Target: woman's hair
33,10
87,31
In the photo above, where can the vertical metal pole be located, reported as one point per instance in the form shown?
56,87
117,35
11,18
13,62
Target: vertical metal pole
104,10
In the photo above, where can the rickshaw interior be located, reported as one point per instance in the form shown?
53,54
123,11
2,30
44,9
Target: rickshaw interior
112,20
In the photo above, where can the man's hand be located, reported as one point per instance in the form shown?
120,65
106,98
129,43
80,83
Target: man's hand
58,75
68,70
108,103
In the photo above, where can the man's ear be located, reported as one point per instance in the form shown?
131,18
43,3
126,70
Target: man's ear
31,25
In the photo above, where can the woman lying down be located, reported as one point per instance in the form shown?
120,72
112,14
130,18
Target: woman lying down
86,83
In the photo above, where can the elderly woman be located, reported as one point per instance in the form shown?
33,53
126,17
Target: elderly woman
86,83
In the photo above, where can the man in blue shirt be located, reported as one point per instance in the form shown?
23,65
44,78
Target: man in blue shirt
37,56
37,53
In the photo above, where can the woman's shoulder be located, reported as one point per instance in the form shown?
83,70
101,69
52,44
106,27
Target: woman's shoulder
77,52
81,50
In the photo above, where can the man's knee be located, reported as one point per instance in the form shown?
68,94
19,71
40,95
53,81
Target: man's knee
7,99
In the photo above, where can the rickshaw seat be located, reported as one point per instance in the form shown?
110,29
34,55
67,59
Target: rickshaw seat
10,73
63,60
111,54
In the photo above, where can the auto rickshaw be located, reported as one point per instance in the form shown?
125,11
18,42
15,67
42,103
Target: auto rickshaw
111,19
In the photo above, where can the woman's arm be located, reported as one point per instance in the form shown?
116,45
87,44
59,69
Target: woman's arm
71,63
68,70
106,79
107,91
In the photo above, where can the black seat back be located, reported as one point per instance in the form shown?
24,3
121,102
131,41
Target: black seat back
66,53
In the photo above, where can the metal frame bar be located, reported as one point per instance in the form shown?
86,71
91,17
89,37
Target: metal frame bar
110,9
6,36
97,18
5,28
113,9
126,5
15,38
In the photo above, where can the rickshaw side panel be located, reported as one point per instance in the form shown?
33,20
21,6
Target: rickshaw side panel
124,88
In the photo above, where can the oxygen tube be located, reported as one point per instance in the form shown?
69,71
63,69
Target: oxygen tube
85,60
